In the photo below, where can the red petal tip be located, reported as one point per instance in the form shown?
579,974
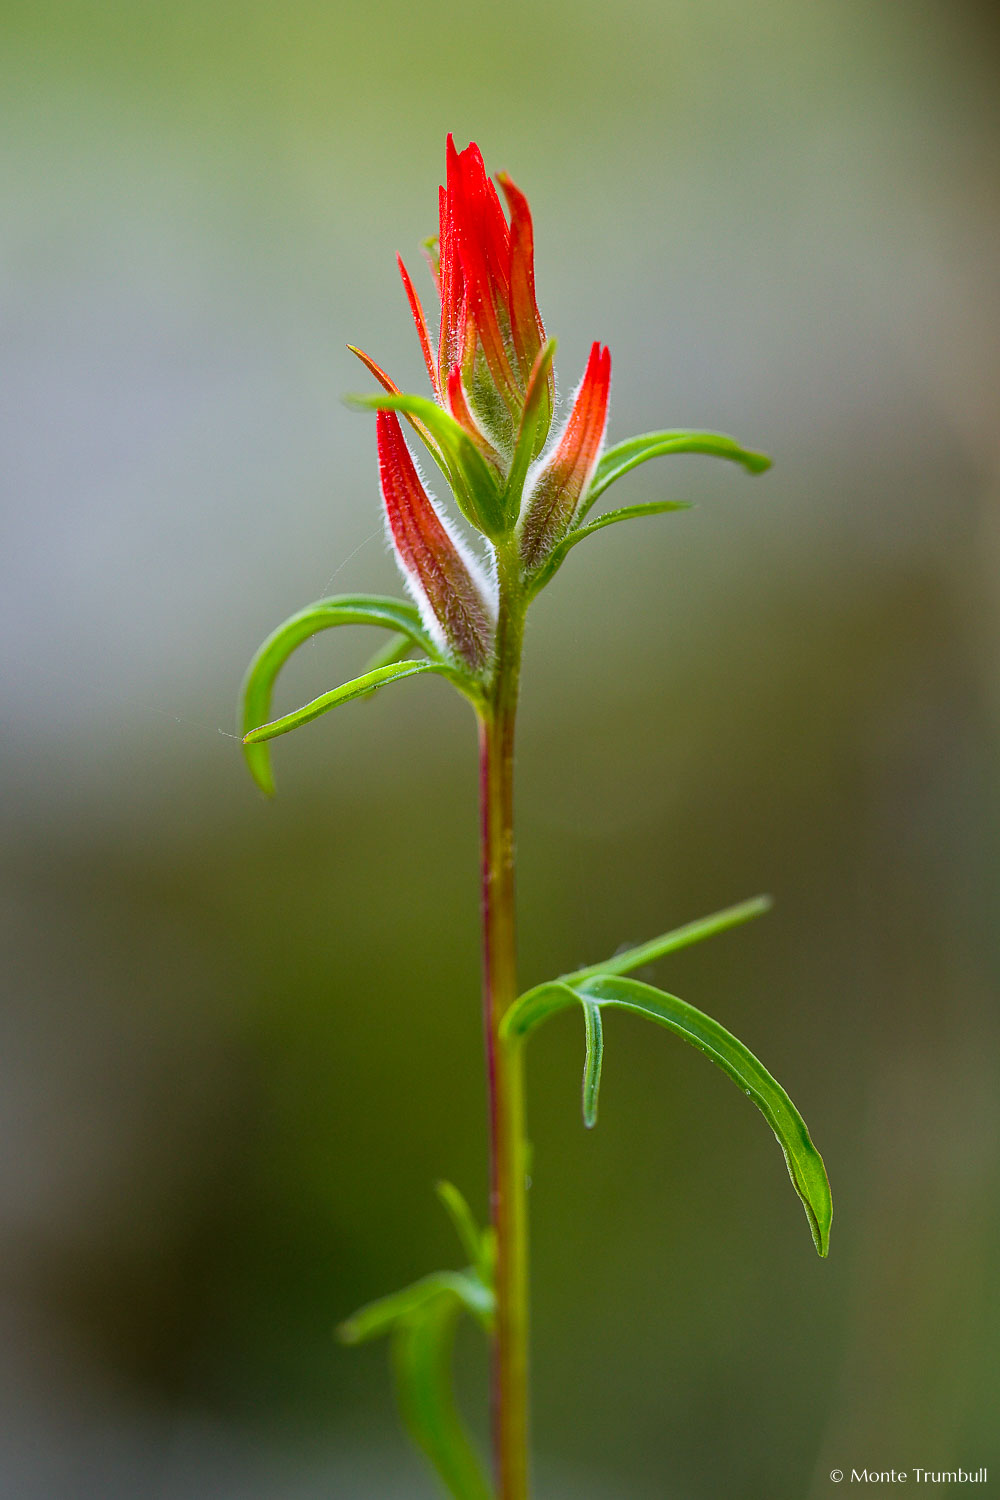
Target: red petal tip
384,380
420,322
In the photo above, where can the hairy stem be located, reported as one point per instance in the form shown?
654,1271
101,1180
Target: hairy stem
508,1149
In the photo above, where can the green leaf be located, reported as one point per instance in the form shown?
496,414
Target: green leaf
805,1165
421,1320
802,1160
627,513
536,407
680,937
358,687
592,1064
558,554
380,1317
634,451
346,609
465,468
422,1347
395,648
535,1006
474,1242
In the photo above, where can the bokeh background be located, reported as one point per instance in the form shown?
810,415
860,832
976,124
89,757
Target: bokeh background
241,1041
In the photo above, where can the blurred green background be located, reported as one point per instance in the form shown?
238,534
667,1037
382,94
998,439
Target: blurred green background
241,1041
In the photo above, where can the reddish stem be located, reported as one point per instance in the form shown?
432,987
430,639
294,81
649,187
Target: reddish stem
508,1180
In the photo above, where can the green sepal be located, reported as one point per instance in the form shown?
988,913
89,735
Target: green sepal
470,476
532,430
401,618
421,1357
634,451
358,687
558,554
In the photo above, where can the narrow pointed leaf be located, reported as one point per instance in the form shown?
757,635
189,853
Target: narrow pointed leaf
592,1064
476,490
395,648
422,1347
680,937
464,1225
805,1165
634,451
346,609
377,1318
358,687
579,533
627,513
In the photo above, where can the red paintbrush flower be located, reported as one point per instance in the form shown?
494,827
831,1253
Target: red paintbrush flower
488,422
448,587
486,428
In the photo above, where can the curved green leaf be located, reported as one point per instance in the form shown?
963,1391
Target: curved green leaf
592,1064
805,1165
395,648
379,1317
422,1346
358,687
634,451
421,1320
680,937
589,988
535,1006
626,513
401,618
470,476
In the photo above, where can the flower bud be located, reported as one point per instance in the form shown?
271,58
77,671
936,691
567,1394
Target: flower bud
554,491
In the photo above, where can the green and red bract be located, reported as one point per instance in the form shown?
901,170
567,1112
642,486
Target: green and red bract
553,494
491,330
448,587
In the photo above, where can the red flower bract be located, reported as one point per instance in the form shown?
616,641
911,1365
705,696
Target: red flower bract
490,331
563,477
447,585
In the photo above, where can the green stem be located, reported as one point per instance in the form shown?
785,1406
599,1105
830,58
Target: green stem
508,1148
